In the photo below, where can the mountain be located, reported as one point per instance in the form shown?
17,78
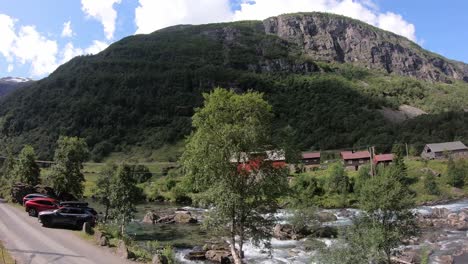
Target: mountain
329,38
9,84
326,92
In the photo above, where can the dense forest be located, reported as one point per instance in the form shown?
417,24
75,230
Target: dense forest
142,91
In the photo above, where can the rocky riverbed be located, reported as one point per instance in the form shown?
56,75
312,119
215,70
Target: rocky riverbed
444,236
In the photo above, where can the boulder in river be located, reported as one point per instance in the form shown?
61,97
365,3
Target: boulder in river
184,217
326,217
286,232
197,253
150,218
219,256
326,232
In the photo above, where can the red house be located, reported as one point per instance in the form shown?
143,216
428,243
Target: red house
352,160
384,159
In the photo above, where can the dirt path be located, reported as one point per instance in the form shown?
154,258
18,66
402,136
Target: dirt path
30,243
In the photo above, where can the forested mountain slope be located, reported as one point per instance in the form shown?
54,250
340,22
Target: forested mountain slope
142,91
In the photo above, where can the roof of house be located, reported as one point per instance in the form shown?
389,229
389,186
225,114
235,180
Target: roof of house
347,155
310,155
383,157
447,146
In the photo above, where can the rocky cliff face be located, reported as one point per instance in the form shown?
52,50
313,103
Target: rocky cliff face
336,38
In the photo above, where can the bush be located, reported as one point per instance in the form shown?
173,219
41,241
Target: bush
430,184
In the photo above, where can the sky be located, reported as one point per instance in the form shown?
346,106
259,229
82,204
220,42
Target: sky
37,36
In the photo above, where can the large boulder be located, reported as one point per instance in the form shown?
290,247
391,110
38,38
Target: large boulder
122,250
184,217
440,213
100,238
150,218
159,259
219,256
326,217
326,232
197,253
286,232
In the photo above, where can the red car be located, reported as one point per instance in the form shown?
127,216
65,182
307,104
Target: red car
34,206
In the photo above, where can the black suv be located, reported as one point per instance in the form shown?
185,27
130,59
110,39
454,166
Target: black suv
66,216
76,204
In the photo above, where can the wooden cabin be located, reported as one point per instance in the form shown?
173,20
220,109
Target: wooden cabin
383,159
443,150
310,160
353,160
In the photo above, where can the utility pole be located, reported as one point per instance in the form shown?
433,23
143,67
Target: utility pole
371,151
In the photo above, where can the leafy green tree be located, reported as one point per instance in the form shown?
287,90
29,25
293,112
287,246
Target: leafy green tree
456,171
362,177
386,221
430,184
26,169
66,175
224,160
387,204
124,195
104,187
398,151
338,181
8,164
304,188
141,173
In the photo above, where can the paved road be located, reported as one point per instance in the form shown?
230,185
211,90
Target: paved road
30,243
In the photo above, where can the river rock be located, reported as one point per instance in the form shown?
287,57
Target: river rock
159,259
219,256
440,213
286,232
197,253
326,217
326,232
150,218
184,217
445,259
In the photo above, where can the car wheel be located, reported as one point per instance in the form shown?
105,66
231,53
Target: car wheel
32,212
46,223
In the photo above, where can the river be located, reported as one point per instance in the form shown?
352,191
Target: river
292,252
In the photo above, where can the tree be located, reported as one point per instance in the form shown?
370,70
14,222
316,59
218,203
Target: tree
456,171
387,204
430,184
124,195
385,222
25,169
104,187
338,181
225,160
398,151
66,175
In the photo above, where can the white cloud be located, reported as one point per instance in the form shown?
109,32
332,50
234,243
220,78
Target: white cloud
96,47
152,15
8,35
103,11
67,30
10,68
31,47
69,51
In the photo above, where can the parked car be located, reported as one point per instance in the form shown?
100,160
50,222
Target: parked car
34,206
66,216
33,196
77,204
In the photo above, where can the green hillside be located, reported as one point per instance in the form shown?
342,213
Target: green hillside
141,92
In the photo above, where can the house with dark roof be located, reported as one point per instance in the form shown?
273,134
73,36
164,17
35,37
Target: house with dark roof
310,160
441,150
383,159
353,160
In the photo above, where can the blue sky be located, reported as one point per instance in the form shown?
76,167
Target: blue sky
37,36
